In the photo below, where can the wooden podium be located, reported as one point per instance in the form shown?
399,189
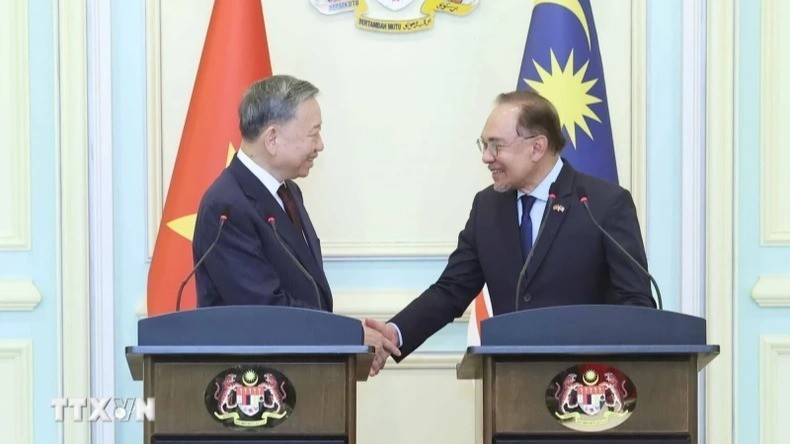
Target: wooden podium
589,374
251,374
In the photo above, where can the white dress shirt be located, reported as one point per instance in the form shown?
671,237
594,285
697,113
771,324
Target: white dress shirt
269,181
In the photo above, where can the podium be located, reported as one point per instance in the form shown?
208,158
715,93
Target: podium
589,374
251,374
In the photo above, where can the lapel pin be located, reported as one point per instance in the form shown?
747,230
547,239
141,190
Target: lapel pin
558,207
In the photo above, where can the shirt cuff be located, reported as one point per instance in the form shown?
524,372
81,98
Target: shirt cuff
400,336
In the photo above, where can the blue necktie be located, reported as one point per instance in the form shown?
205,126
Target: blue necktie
526,224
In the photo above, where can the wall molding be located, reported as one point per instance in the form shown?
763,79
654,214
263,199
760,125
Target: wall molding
722,33
19,295
772,291
379,305
426,361
360,250
15,126
153,48
19,352
102,286
425,379
639,111
72,206
692,231
773,348
774,162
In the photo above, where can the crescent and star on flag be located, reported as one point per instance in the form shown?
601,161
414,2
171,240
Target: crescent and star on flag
184,226
564,87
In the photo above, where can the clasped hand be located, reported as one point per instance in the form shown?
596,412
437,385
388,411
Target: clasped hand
384,338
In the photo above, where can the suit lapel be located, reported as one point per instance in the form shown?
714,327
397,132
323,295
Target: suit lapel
309,230
312,241
556,215
267,206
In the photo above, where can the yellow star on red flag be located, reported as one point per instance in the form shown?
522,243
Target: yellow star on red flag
185,226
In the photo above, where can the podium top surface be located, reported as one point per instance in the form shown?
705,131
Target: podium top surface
471,365
593,325
249,325
589,330
247,331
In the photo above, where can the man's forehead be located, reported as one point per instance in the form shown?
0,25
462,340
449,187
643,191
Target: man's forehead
499,127
309,112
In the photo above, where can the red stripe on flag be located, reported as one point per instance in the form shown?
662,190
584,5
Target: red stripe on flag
235,54
481,311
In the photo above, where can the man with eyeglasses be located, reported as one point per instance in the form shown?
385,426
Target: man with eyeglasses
572,263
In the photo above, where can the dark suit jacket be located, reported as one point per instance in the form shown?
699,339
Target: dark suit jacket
248,266
572,264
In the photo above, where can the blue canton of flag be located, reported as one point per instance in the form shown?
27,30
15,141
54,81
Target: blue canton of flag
562,62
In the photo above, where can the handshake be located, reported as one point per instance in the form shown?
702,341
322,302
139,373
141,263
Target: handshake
384,338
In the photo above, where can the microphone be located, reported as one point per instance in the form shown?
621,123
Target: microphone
582,193
223,217
270,220
552,197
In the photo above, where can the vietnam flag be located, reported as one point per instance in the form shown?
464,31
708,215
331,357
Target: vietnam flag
235,55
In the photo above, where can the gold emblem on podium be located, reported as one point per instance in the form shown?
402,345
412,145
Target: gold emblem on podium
591,397
247,397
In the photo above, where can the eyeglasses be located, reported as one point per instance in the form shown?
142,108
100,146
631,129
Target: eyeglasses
493,148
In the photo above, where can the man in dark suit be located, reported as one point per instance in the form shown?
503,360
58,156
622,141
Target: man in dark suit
280,123
572,263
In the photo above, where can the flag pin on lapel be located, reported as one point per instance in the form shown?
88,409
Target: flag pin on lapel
558,207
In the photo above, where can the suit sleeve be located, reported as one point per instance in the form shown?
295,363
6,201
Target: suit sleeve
237,270
631,286
449,297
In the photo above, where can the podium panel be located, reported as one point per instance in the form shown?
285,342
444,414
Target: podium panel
181,386
662,401
277,375
600,440
236,441
567,375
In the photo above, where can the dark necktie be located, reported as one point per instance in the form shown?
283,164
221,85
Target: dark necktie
526,224
290,206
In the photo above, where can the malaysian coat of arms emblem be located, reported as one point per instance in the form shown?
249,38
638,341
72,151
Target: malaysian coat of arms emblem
418,21
591,397
248,397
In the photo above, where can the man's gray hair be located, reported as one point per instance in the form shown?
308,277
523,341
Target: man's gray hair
271,100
